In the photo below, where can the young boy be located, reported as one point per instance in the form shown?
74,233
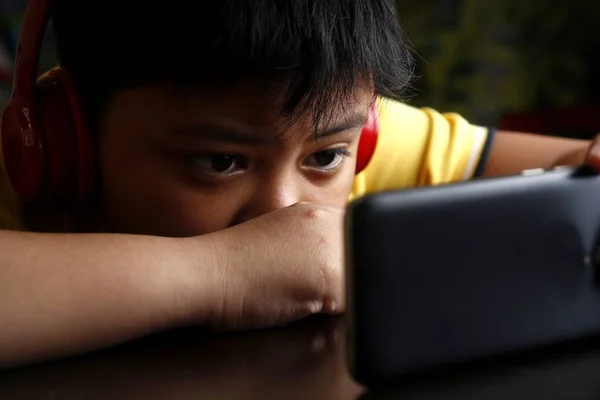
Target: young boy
225,143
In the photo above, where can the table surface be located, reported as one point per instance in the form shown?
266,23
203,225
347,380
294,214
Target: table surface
304,361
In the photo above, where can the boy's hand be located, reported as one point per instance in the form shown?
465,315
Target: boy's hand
592,156
279,267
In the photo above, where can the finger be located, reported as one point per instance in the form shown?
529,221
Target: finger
592,157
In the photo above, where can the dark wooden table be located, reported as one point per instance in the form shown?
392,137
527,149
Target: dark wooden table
305,361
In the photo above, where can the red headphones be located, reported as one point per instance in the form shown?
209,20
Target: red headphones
368,140
48,151
47,147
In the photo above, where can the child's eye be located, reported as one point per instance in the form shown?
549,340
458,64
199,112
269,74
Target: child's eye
217,164
327,160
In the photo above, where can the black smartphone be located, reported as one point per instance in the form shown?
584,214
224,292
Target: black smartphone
455,273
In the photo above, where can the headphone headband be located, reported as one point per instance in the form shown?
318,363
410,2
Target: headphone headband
27,56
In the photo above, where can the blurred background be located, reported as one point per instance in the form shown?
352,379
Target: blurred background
531,65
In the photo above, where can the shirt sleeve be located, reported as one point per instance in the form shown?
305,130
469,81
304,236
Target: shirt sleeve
419,147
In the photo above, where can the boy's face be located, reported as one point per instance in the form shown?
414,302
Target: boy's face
188,165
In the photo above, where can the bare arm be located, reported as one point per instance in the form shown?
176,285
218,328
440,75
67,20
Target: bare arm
64,294
514,152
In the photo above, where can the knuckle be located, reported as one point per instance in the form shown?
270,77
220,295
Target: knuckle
314,212
328,277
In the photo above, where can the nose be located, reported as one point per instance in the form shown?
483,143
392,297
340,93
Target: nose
270,194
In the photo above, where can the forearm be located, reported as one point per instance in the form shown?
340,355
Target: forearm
514,152
64,294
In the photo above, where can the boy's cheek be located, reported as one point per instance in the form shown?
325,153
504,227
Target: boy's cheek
186,215
157,202
167,213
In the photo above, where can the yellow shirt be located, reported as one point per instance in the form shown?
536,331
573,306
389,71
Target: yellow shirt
419,147
416,147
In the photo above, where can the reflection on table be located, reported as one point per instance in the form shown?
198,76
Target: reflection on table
304,361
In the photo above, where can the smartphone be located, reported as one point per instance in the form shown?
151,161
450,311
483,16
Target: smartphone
445,275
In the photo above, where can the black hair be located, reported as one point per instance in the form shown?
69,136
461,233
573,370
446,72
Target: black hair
313,52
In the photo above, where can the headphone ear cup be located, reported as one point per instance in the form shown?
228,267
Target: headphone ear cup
59,140
23,148
66,140
46,145
83,152
368,140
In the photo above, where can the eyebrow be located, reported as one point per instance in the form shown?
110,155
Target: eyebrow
352,121
235,133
